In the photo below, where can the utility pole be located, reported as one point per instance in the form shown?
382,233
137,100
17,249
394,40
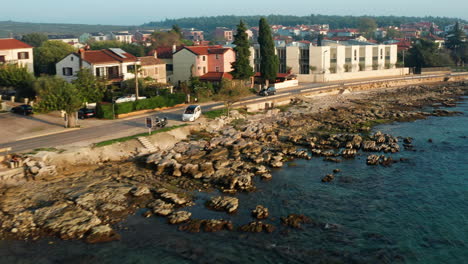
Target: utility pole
136,79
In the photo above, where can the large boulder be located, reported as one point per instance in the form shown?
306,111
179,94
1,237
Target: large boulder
159,207
179,217
101,234
260,212
224,203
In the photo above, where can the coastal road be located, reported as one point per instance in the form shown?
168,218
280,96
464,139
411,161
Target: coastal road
133,125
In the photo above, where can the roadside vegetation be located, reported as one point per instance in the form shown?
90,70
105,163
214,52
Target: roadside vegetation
123,139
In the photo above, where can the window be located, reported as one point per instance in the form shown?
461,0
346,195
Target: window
156,70
217,69
204,70
217,56
71,58
2,59
23,55
204,58
130,68
67,71
355,55
169,67
100,72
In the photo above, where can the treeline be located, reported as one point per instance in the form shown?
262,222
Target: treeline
209,23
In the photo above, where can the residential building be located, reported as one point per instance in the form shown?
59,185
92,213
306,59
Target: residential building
224,34
122,36
198,61
193,35
112,64
143,35
335,60
346,32
70,39
152,67
99,36
165,54
13,51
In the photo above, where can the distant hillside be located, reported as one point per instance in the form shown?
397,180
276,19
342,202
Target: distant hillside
20,28
209,23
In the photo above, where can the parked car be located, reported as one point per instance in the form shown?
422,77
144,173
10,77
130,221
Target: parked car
129,98
191,113
267,91
7,94
86,113
22,109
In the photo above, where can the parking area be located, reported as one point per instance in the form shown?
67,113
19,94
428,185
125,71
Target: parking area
16,127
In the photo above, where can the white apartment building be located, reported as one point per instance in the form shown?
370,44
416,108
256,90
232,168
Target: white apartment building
122,36
13,51
335,61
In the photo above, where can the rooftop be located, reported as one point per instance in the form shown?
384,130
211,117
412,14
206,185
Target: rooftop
106,56
6,44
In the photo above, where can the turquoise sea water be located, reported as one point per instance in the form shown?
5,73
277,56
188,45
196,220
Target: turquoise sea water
411,212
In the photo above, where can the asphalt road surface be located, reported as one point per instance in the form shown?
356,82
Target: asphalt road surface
131,124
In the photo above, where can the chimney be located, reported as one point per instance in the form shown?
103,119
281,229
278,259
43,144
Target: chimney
81,53
155,54
174,49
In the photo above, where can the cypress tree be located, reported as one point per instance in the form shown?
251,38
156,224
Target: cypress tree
269,62
241,67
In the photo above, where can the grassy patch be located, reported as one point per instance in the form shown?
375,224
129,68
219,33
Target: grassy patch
201,135
283,108
123,139
215,113
237,123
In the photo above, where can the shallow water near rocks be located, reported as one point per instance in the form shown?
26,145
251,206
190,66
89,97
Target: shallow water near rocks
411,212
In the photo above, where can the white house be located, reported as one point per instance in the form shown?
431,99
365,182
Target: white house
16,52
122,36
112,64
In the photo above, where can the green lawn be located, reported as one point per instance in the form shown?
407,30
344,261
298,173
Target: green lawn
123,139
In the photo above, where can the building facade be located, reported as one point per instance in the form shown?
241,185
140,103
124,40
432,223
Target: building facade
114,65
334,61
196,61
122,36
13,51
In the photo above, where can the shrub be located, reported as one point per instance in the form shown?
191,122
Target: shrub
123,108
104,110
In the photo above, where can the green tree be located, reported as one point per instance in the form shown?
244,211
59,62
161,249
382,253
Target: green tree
48,54
13,75
457,44
241,67
91,89
177,30
231,92
367,26
56,94
425,53
269,62
393,33
165,39
34,39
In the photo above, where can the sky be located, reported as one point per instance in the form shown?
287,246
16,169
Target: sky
119,12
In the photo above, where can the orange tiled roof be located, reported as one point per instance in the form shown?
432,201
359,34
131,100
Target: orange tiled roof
205,50
150,60
106,56
6,44
216,76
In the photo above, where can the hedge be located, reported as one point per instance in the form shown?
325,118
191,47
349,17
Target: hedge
105,110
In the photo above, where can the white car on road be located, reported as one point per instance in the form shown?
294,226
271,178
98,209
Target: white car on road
128,98
191,113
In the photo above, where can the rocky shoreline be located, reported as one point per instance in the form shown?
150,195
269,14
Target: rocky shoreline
85,203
